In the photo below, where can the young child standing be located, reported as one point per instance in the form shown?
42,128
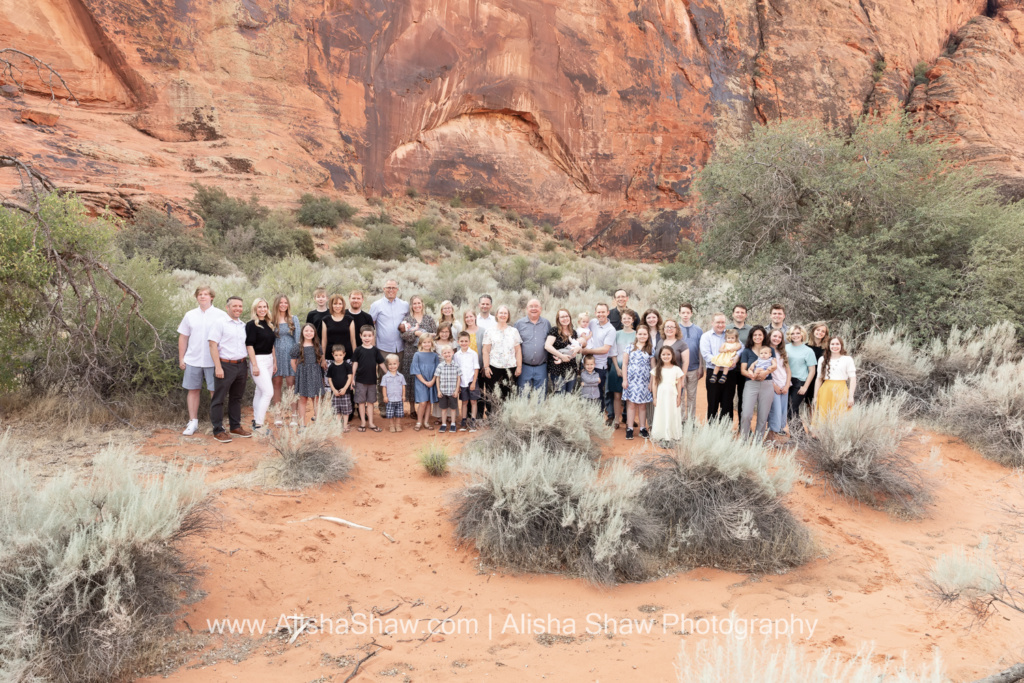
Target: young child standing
448,374
424,362
624,339
469,392
393,384
339,379
365,361
667,387
726,356
309,378
636,381
590,382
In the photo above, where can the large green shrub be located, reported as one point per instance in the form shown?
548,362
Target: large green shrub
152,233
323,212
222,213
876,227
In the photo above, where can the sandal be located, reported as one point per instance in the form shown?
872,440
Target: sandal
376,429
418,426
361,429
346,430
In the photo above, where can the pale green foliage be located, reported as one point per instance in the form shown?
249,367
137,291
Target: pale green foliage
532,508
766,661
309,456
713,445
91,570
965,575
986,410
876,227
434,458
862,453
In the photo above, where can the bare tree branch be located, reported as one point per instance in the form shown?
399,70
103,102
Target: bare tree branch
10,69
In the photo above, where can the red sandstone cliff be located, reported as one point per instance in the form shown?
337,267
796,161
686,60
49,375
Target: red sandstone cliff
594,113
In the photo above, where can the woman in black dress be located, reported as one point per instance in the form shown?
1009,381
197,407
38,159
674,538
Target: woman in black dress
562,353
818,342
334,330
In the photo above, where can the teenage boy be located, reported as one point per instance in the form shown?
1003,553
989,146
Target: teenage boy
366,360
778,316
737,380
621,306
231,369
448,375
194,352
601,346
710,344
469,392
355,320
316,317
691,335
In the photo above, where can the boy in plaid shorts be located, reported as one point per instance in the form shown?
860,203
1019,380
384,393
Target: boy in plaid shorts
448,374
339,380
393,384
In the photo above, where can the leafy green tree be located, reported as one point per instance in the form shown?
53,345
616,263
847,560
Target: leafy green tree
323,212
876,227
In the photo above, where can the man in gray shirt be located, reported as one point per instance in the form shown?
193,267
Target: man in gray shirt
534,330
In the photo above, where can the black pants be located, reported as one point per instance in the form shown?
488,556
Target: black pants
719,396
503,383
231,387
796,399
735,400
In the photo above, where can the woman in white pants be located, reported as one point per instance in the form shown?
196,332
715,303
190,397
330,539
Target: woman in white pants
259,343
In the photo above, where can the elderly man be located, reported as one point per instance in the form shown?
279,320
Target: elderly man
710,343
194,352
601,345
621,306
231,367
533,329
387,314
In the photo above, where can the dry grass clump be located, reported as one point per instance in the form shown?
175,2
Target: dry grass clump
986,410
744,659
92,572
434,459
310,456
862,454
968,351
535,509
560,422
718,503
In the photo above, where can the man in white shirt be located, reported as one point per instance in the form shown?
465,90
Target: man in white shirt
601,345
388,314
484,320
231,369
710,343
194,352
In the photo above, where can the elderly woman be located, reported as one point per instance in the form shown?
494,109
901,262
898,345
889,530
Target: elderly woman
503,355
416,324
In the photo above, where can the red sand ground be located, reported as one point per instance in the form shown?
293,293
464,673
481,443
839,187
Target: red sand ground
865,587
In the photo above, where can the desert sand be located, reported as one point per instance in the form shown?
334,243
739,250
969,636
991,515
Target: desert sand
866,586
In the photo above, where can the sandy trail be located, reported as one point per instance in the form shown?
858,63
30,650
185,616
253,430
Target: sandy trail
262,563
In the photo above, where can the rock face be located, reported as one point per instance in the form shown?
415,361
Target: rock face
594,114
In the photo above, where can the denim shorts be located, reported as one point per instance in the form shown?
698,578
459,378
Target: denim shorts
467,394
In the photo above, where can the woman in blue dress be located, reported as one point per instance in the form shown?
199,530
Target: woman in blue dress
288,332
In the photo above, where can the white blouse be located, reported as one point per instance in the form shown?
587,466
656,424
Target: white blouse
503,346
841,368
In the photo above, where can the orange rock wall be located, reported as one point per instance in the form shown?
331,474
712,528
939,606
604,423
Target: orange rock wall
593,114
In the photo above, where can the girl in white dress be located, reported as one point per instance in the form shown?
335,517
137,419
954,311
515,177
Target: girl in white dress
667,384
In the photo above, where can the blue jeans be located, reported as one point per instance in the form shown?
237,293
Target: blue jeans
534,377
777,416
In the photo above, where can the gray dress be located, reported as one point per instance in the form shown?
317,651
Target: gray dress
309,378
283,346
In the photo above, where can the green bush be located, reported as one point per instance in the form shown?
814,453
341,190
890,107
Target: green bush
381,241
877,228
526,273
222,213
456,202
550,245
411,192
878,70
511,215
434,459
323,212
152,233
430,235
93,571
921,73
547,228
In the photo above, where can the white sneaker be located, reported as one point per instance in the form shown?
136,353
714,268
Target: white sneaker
191,428
293,423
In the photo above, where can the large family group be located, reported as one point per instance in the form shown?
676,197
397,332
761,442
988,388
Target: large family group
454,371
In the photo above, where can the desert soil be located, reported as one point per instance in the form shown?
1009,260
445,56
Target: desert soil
866,586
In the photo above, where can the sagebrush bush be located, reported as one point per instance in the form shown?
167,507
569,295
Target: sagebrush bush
323,212
749,659
152,233
429,234
718,503
434,459
561,422
309,456
532,508
986,409
863,454
888,362
222,213
93,571
381,241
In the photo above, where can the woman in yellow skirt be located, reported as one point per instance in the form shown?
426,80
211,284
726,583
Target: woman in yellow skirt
835,370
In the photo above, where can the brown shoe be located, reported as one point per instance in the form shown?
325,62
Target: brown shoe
241,432
223,437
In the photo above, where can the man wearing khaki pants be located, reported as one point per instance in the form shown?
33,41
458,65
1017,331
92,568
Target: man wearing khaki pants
691,335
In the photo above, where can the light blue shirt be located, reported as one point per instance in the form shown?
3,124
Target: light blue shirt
710,343
387,315
601,335
801,360
691,335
